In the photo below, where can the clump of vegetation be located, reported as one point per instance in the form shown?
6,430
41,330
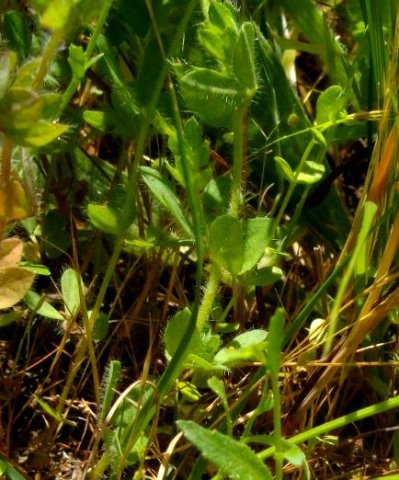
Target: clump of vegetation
199,231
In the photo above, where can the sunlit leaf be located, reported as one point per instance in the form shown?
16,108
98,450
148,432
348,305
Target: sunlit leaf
234,459
175,330
257,233
104,218
330,105
312,172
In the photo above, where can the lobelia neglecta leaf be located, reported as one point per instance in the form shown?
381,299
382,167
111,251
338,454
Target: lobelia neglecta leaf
41,307
226,244
214,96
104,218
234,459
70,291
163,192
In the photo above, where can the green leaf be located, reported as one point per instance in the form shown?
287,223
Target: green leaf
257,233
247,347
265,276
8,470
10,317
7,64
33,300
198,147
40,134
311,172
330,105
16,30
109,384
164,194
97,119
234,459
36,268
244,57
53,413
175,330
218,35
77,61
284,168
217,386
14,283
70,291
56,16
226,244
216,196
215,97
104,218
101,326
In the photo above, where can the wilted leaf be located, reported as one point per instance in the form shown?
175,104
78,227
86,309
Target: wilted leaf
14,284
10,251
15,203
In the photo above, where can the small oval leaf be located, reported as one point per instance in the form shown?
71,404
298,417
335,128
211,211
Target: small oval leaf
226,243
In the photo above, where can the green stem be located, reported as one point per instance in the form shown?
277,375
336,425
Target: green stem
238,162
370,210
337,423
278,456
55,40
293,184
75,81
209,297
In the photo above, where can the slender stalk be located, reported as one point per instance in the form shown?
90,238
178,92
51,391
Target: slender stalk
74,83
238,162
209,297
55,40
293,184
337,423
